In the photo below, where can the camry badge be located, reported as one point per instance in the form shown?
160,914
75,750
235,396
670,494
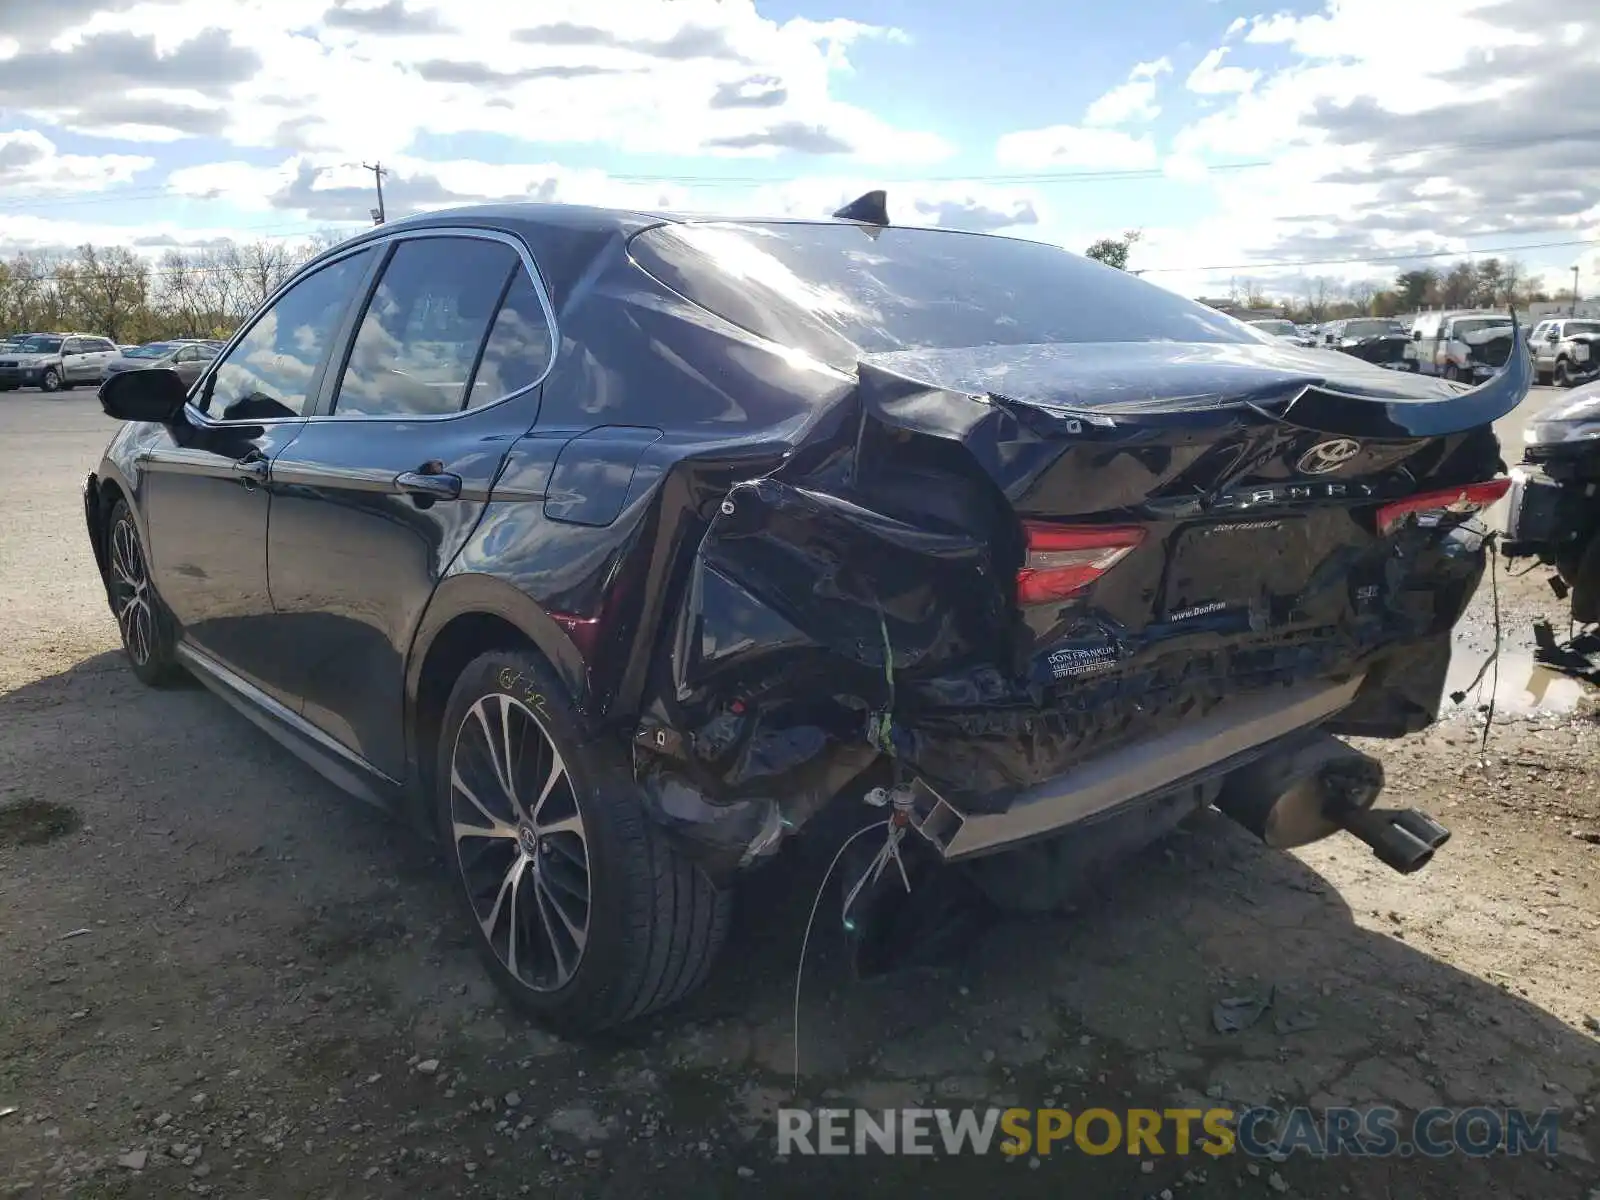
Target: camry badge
1328,456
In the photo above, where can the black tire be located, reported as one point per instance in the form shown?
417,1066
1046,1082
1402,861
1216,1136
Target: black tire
50,381
652,920
149,634
1563,374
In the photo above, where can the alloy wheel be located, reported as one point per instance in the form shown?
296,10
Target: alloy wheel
520,842
130,592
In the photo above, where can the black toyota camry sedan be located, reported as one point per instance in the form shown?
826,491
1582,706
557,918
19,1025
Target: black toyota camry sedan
611,548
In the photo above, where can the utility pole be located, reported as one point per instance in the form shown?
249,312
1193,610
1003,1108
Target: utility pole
378,172
1574,290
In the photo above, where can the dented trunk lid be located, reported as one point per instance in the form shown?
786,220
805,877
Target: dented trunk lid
1254,472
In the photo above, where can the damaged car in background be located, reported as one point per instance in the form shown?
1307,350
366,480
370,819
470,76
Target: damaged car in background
1466,347
1553,511
617,549
1566,351
1371,339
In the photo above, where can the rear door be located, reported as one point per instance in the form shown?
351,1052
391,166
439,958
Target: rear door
384,484
76,361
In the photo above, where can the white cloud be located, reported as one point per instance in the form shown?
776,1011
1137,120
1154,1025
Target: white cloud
30,162
1133,101
640,76
1378,150
1211,78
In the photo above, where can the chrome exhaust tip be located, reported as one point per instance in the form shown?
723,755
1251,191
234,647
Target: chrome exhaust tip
1402,838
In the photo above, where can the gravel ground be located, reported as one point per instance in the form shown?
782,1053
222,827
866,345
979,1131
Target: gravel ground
221,978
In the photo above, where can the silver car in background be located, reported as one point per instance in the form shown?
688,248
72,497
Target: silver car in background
187,357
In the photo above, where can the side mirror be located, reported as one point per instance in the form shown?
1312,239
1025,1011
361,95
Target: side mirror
152,394
1416,335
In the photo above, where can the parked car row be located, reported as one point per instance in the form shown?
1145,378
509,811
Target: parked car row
1464,346
54,362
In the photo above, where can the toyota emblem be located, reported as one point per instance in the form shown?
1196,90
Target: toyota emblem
1328,456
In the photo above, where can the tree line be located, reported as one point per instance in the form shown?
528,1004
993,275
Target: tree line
207,292
1498,283
116,293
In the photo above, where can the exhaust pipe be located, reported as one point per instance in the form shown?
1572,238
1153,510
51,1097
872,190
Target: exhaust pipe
1402,838
1305,793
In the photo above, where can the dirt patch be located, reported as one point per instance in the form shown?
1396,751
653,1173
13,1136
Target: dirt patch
35,822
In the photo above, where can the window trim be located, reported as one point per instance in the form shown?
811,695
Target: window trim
363,286
319,411
343,340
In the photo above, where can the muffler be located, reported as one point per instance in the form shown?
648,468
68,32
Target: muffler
1319,786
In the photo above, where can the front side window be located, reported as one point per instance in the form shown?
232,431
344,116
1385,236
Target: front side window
424,330
270,371
73,346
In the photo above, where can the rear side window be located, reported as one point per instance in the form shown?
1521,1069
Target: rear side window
519,347
424,330
837,291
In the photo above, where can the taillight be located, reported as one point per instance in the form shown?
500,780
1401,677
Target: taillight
1065,559
1465,500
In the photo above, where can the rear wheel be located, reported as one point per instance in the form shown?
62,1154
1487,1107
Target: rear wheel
50,381
148,637
585,914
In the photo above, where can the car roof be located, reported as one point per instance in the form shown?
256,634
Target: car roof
564,237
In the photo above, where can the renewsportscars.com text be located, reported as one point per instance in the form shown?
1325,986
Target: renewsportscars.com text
1373,1131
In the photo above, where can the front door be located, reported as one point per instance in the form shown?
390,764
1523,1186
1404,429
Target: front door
384,484
203,483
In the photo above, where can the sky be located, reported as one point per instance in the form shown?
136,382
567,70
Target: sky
1247,141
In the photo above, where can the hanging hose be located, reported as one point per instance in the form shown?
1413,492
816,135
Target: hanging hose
880,725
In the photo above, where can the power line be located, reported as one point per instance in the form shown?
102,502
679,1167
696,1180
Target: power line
1396,258
1112,175
218,269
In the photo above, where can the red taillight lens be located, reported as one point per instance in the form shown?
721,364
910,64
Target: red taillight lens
1065,559
1464,500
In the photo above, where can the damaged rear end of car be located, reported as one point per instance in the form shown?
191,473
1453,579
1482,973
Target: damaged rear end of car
1038,585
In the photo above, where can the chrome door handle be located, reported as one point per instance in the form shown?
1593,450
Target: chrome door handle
251,469
435,485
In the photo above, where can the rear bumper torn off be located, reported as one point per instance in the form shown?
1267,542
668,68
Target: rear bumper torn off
1192,753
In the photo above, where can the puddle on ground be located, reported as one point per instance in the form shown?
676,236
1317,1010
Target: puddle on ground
35,822
1524,686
